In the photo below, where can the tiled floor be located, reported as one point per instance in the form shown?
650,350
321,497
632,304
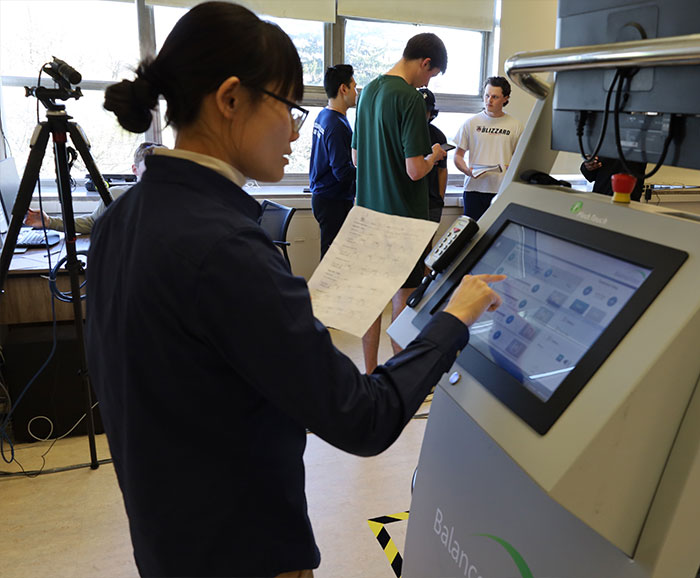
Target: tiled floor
72,524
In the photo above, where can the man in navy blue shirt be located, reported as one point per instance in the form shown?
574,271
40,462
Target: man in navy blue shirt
331,171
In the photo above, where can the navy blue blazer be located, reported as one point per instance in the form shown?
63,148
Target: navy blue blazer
209,366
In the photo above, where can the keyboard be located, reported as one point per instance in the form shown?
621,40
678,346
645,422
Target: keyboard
35,238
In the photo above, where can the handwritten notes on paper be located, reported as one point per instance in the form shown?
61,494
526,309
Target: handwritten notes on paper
369,260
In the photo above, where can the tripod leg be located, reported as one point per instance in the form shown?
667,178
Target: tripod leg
24,197
81,144
59,130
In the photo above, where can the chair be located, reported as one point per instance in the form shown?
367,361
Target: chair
275,219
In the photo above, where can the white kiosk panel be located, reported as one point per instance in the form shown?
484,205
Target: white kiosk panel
582,377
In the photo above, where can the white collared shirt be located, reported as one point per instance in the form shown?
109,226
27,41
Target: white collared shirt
221,167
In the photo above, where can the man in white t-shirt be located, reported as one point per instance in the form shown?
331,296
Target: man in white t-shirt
490,137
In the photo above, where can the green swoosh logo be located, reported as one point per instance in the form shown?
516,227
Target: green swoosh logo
525,572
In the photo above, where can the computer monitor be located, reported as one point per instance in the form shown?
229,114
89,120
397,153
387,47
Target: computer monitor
573,291
662,100
9,186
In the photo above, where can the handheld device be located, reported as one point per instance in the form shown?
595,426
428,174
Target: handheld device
444,252
447,146
451,243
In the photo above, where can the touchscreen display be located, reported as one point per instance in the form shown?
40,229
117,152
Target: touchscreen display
557,300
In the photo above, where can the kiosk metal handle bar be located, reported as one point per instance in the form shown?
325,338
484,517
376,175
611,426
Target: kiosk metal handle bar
670,51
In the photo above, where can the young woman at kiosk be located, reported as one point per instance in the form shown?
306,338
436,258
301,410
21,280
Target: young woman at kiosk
204,352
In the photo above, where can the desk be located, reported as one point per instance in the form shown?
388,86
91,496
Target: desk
27,339
27,298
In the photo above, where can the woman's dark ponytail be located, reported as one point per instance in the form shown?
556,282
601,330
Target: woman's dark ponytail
133,100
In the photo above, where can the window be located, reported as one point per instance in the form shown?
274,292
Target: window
112,147
307,37
301,148
97,38
374,47
165,18
31,33
449,123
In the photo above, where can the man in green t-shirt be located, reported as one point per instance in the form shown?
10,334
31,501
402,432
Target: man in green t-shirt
391,148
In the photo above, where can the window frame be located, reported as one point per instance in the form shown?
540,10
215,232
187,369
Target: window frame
314,96
457,103
448,102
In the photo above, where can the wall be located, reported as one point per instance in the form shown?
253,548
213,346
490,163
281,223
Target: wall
3,151
528,25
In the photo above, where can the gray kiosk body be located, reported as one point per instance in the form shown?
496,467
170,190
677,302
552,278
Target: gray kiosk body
564,442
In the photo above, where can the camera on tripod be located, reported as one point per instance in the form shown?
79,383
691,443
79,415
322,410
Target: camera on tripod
59,127
65,76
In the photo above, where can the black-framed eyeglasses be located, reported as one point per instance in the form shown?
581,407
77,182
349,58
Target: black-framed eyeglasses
297,113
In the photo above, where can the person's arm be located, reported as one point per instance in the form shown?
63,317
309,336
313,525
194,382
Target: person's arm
340,157
437,136
82,224
460,163
85,224
442,181
473,297
311,381
34,219
37,219
353,155
418,167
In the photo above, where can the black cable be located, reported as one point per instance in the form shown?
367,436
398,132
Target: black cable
38,83
582,121
35,473
8,400
72,155
4,438
38,181
618,141
66,297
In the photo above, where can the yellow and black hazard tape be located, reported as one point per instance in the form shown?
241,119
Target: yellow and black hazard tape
385,541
